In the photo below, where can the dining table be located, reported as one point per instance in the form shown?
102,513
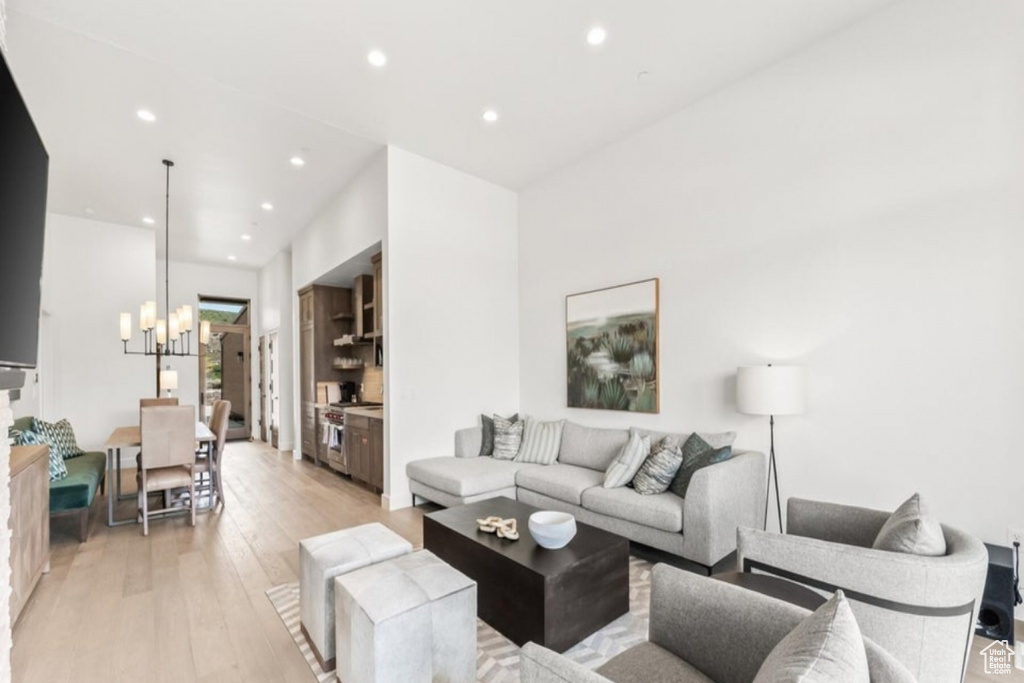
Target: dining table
131,437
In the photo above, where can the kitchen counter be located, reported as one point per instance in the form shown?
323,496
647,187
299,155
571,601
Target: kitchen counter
372,413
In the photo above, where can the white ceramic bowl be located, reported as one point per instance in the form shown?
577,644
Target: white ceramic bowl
552,530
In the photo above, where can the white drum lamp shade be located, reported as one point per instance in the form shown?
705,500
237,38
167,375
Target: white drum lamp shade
771,390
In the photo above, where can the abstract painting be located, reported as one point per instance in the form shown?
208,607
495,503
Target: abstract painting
612,348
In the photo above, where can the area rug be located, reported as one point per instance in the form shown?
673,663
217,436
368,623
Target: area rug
497,658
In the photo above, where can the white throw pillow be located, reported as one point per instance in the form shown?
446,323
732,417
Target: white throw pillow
630,458
826,647
541,442
912,529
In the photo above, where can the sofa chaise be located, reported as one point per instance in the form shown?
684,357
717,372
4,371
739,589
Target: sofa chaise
700,528
72,496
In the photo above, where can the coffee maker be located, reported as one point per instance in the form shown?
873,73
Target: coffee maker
349,392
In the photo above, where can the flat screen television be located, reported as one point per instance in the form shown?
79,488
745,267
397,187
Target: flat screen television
24,165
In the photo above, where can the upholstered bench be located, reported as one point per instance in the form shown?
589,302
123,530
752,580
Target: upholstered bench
321,559
408,620
72,496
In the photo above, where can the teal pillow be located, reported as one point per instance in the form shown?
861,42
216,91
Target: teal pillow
58,470
59,436
697,453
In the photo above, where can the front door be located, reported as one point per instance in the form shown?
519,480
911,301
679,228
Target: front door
263,388
225,368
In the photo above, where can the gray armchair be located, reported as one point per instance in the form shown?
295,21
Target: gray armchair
922,610
701,631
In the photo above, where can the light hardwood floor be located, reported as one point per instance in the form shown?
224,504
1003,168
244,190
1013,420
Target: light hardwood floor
189,604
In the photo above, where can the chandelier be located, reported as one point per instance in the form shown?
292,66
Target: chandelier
170,336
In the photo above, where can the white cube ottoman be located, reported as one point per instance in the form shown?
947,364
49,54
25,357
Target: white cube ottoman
321,558
408,620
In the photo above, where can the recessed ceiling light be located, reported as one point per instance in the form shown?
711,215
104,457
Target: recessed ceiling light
490,116
377,58
146,115
298,161
231,257
267,206
596,35
148,220
246,238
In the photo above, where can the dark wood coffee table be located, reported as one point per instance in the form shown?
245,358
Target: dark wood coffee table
555,598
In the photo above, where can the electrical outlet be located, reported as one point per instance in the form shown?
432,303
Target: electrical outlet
1015,535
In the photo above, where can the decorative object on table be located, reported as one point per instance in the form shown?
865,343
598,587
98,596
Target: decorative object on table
552,530
172,335
487,433
508,437
612,348
502,528
771,390
541,441
629,461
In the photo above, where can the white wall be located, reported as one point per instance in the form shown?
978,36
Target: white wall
275,315
352,222
189,281
92,272
452,329
857,209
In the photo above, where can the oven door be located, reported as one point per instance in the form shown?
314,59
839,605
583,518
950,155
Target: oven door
337,458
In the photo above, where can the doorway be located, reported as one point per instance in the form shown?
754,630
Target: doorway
263,387
225,369
274,400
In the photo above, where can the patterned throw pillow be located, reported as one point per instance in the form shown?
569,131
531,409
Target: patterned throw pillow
59,436
541,441
697,453
631,457
660,467
508,437
57,468
487,425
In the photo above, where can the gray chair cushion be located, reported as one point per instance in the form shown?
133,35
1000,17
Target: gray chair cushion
825,647
590,447
662,511
648,663
563,482
912,529
465,476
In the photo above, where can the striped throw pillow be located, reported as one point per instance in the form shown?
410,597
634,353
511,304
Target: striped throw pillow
58,470
660,468
630,458
541,441
59,436
508,437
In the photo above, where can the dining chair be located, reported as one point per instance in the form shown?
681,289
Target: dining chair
168,447
211,462
151,403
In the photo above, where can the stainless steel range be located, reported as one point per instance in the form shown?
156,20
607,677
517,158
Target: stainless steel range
332,433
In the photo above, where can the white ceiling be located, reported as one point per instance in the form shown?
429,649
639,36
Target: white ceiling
239,85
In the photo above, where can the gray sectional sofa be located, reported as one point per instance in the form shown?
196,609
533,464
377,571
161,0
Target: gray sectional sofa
700,528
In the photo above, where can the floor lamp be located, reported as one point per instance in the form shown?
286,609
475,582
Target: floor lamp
771,390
